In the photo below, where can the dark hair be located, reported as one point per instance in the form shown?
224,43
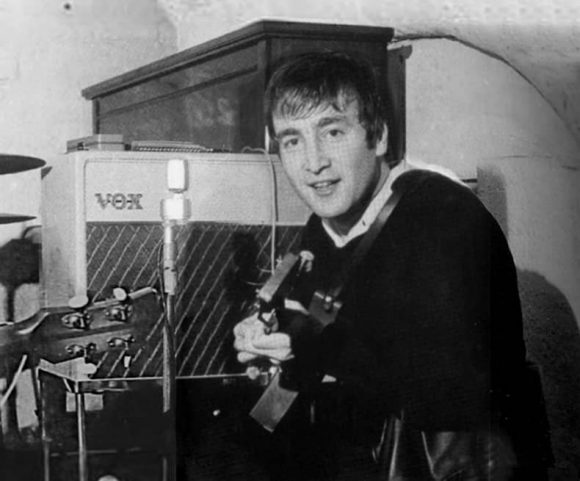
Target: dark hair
311,80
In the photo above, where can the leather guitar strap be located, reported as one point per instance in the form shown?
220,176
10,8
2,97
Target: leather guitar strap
276,400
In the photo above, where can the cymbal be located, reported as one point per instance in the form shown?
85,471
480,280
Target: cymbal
11,218
11,164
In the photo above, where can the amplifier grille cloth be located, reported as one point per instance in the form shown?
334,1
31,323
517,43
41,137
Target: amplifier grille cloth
219,268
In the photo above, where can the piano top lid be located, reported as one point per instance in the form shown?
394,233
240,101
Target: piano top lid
252,33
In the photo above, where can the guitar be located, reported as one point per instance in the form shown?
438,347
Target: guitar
83,329
274,294
277,294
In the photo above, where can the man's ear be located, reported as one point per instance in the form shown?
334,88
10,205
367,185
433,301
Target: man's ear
382,143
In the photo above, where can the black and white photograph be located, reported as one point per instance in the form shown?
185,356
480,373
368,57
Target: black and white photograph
325,240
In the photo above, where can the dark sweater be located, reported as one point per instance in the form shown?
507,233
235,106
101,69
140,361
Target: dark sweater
431,321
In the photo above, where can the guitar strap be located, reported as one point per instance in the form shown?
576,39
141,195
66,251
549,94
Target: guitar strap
324,307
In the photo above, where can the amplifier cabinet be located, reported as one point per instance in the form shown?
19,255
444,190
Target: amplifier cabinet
102,228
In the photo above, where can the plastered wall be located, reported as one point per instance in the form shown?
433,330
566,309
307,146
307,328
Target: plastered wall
537,202
464,107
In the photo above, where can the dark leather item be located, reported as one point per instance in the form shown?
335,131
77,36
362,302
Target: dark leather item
409,454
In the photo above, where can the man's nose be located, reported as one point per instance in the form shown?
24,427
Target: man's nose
316,158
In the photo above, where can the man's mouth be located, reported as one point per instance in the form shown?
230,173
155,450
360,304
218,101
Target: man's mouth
324,187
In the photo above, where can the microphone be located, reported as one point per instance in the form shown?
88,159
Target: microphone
175,210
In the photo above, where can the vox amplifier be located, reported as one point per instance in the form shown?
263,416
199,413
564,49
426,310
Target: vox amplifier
102,229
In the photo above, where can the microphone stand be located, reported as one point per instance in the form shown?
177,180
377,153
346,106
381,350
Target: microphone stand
169,368
174,210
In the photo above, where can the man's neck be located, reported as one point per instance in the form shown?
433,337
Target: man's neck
342,224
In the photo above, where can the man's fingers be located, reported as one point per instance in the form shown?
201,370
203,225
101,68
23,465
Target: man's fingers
247,342
275,349
251,353
253,343
245,357
240,343
276,340
239,329
246,325
249,330
280,355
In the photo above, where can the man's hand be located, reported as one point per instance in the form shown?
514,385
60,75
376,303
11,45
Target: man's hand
252,342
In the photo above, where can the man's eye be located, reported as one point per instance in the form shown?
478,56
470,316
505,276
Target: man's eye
334,133
290,143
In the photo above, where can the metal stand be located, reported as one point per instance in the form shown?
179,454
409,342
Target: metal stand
169,383
77,389
45,442
169,386
81,435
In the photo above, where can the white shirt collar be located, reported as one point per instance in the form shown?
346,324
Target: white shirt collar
370,213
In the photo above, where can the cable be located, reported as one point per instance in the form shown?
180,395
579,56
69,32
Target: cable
160,276
15,378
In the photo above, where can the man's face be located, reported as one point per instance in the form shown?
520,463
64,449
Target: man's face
327,158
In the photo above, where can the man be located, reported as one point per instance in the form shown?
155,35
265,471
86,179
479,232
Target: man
428,341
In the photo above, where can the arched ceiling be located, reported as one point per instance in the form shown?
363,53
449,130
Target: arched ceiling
545,55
